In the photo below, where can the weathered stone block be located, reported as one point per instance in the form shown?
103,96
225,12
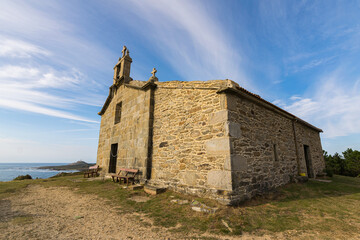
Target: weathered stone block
231,102
153,190
227,163
233,129
189,178
218,117
136,187
219,179
218,146
238,163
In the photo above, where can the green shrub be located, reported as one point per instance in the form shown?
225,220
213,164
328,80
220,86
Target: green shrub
22,177
347,165
329,171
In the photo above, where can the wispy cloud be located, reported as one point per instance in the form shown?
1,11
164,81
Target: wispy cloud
40,56
333,106
19,49
190,39
25,89
77,130
312,64
34,77
24,106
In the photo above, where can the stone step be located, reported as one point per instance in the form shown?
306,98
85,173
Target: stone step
136,187
152,190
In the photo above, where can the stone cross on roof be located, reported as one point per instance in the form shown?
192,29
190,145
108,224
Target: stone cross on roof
153,72
124,51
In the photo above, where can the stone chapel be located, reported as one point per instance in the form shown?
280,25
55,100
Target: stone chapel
208,138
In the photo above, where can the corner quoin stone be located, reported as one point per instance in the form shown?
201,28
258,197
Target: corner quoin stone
238,163
218,146
233,129
219,179
218,117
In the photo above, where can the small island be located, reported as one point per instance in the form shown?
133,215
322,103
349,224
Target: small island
79,165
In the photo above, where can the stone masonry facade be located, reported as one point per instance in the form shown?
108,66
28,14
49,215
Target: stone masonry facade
207,138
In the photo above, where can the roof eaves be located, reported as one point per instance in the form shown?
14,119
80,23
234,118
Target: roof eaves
243,92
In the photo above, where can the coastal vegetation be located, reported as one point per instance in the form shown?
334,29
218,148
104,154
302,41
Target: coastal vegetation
23,177
347,164
327,208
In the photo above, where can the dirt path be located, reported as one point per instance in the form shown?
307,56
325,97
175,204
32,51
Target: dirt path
58,213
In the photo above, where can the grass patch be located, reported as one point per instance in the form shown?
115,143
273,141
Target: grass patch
325,208
22,220
8,188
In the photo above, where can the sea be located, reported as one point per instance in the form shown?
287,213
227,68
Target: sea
9,171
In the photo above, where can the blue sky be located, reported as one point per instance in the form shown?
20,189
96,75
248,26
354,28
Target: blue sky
57,59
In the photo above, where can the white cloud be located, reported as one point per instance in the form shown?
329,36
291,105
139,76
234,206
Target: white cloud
19,49
279,102
29,107
42,57
45,77
27,89
8,72
334,106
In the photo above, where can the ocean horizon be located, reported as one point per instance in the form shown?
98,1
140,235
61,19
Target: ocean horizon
9,171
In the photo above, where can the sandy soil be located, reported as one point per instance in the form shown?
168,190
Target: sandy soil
58,213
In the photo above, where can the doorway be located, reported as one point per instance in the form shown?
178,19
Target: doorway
113,158
308,161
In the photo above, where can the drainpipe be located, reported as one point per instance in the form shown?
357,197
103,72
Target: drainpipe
150,136
296,146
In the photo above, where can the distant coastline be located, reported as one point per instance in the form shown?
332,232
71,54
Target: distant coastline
9,171
79,165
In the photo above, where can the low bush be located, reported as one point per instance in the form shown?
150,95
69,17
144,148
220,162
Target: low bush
329,171
23,177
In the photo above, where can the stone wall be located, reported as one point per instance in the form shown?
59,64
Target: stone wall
131,133
191,151
263,153
311,138
197,138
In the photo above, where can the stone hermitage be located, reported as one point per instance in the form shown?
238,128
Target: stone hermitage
207,138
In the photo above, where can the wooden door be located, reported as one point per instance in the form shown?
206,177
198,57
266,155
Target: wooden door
113,158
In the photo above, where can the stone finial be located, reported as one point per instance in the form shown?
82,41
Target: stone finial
153,78
153,72
231,84
124,51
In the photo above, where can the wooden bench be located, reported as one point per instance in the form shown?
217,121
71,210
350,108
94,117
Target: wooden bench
125,174
117,177
93,171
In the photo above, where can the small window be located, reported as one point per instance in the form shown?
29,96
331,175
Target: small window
118,113
275,153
